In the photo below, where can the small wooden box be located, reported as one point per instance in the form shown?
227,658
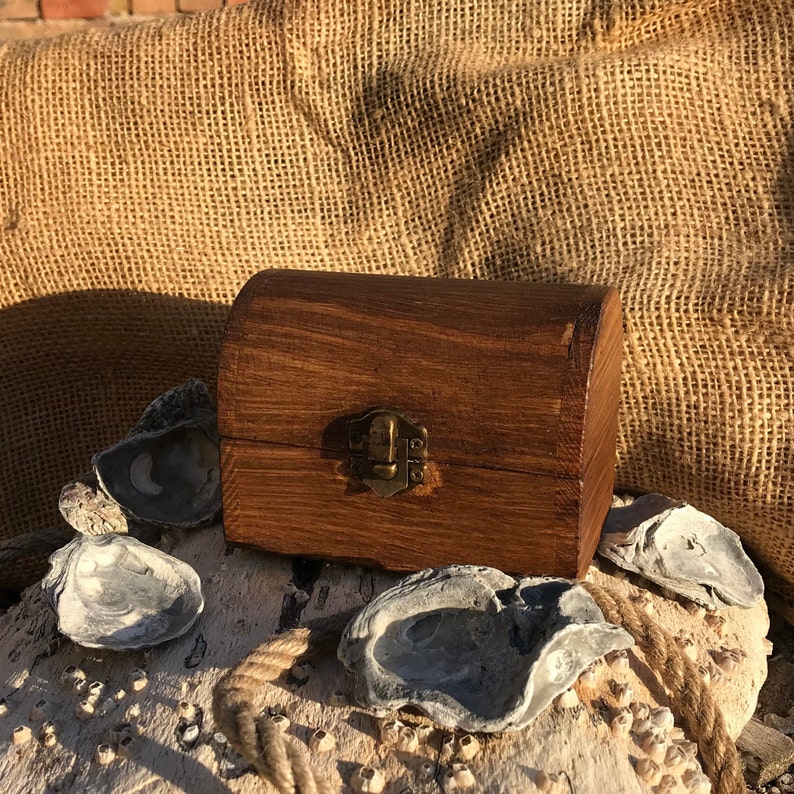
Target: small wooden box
495,444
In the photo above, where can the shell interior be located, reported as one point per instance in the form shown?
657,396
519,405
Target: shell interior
169,477
676,546
111,591
473,649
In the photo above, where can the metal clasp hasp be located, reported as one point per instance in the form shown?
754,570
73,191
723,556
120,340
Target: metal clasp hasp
387,450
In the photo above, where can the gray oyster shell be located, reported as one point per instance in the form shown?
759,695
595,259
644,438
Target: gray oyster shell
674,545
112,591
473,649
167,471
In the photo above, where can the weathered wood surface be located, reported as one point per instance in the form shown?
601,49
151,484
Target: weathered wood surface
509,379
765,751
249,595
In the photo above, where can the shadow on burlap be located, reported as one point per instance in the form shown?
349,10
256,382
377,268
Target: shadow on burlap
644,144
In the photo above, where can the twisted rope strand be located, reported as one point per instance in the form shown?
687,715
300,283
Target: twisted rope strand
702,717
257,738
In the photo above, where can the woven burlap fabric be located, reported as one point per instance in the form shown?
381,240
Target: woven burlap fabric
146,173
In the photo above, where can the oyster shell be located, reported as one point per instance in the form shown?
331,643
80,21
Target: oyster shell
112,591
167,471
473,649
676,546
89,510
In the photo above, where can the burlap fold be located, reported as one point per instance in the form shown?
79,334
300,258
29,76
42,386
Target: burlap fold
146,173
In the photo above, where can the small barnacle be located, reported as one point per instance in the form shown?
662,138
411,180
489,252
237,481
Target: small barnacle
621,722
84,710
132,712
338,698
424,732
321,741
40,711
427,770
568,699
649,771
72,673
390,731
716,675
667,784
696,610
696,781
79,685
21,735
468,747
49,739
676,758
458,776
690,749
663,718
717,622
280,721
119,695
655,747
104,754
367,780
3,707
618,660
644,727
686,644
623,693
448,747
185,710
107,706
641,711
407,741
129,747
139,680
727,660
48,727
95,690
547,782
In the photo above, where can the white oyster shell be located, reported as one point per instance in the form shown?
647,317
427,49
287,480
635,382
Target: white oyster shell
674,545
473,649
112,591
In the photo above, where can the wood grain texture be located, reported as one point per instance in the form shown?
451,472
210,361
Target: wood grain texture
510,377
765,751
248,594
295,501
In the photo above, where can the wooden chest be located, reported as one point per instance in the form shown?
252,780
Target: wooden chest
412,422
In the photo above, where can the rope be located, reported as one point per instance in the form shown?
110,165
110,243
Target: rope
701,716
42,541
255,736
278,760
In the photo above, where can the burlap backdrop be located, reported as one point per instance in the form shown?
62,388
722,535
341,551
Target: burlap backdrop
146,173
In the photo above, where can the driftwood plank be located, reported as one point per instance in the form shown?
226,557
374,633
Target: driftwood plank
765,751
249,595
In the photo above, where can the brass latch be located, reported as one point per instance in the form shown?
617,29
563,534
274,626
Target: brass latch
387,450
